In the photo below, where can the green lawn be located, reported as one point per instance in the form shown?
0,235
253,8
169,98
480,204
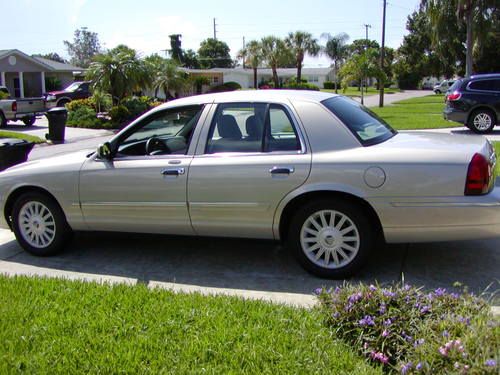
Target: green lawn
353,91
31,138
51,326
417,113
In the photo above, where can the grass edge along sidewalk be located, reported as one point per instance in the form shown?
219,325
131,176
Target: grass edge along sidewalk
27,137
60,326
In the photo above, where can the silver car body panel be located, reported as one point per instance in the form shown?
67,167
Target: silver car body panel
419,197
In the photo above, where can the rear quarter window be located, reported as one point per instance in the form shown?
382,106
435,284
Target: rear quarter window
483,85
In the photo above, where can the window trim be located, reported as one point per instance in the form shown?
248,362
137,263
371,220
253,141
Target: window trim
288,112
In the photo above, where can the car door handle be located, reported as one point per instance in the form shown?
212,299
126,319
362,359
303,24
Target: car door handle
281,170
173,171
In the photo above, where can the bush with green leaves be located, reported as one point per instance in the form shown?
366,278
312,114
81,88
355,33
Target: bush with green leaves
300,86
328,85
120,115
136,105
84,117
227,86
76,104
407,330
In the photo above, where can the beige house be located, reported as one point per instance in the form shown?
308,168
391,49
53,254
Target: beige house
25,76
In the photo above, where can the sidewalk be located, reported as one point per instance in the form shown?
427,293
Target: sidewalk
372,100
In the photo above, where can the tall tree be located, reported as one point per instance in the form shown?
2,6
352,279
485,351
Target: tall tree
154,65
275,54
301,43
119,72
84,47
252,53
51,56
214,53
170,79
191,59
176,52
336,49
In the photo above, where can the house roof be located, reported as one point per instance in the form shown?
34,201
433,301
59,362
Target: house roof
47,64
266,71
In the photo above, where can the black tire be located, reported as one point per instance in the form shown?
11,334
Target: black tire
29,121
437,92
482,121
3,120
365,234
61,229
62,103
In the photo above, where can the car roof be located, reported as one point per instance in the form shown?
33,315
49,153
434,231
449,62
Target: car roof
489,75
277,96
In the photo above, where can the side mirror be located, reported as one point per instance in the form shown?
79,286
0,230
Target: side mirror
104,151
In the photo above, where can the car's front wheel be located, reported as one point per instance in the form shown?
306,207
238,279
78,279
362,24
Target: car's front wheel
482,121
39,224
331,239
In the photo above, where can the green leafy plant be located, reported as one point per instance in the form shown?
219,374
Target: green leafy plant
410,331
119,115
76,104
84,117
301,86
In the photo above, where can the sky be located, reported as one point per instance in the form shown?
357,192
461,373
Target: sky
40,26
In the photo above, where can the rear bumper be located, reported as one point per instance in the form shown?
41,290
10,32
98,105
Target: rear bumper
452,114
440,219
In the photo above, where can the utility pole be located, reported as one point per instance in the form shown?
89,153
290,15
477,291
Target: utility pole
366,47
382,55
244,57
215,30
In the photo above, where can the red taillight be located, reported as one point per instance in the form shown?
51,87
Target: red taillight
14,106
453,96
478,176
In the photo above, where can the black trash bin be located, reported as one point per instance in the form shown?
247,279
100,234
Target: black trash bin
13,151
57,124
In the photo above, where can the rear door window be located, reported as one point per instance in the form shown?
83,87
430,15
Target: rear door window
483,85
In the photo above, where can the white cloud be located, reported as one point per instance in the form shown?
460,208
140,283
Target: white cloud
74,10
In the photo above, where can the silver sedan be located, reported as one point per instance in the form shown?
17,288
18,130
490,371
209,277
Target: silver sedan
317,171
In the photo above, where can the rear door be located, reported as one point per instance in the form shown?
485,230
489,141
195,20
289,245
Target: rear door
251,156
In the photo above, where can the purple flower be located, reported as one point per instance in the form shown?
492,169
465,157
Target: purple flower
318,291
407,287
388,293
378,356
353,298
406,368
367,321
387,322
446,333
372,287
419,366
491,363
406,337
439,292
425,309
455,295
463,320
385,333
336,314
418,342
382,309
443,351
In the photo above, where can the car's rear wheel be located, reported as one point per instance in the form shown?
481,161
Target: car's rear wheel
331,239
62,103
482,121
39,224
29,120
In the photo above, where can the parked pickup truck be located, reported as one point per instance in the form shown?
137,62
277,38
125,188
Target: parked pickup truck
77,90
25,109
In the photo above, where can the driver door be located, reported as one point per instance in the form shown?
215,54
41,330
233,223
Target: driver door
142,188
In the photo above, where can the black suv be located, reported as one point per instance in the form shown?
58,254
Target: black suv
475,102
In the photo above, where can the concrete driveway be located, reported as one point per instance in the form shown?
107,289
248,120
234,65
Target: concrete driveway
261,268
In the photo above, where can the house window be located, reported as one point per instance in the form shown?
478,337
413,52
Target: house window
215,80
312,79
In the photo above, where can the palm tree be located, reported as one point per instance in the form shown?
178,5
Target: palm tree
301,43
253,55
275,53
337,50
170,78
119,72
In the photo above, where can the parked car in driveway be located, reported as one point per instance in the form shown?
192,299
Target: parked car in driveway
77,90
316,170
475,102
443,86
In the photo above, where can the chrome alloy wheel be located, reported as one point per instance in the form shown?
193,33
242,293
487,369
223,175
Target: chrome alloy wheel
482,121
36,224
329,239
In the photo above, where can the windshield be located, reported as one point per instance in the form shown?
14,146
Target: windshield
73,87
368,128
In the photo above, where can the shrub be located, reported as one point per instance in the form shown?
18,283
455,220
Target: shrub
136,105
76,104
301,86
84,117
409,331
328,85
119,115
101,101
52,84
228,86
